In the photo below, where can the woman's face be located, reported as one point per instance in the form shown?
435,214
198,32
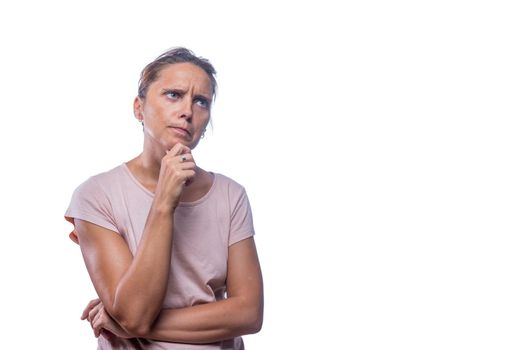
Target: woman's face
177,106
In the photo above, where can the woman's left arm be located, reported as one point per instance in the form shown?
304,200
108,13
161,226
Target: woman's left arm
241,313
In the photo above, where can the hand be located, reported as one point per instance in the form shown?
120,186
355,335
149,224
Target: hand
102,322
177,170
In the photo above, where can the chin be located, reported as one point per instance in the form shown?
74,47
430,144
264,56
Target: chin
187,143
193,145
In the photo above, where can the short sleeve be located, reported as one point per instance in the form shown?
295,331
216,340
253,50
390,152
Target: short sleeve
89,202
241,218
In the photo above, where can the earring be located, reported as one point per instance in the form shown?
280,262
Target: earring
203,134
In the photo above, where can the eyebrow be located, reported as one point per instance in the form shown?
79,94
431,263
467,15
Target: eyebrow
183,91
179,90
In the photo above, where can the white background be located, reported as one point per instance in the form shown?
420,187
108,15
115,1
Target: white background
380,142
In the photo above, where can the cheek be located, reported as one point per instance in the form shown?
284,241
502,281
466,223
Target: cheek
202,116
202,125
159,112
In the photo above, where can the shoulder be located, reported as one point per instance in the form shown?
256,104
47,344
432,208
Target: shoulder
91,201
99,183
109,176
228,183
94,195
233,192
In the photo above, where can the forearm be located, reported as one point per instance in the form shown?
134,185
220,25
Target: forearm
141,290
207,323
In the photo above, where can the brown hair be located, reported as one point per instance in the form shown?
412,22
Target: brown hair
175,55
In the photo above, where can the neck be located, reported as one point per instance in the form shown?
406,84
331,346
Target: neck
151,158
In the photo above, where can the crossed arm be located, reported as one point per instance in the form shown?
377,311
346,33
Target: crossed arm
131,295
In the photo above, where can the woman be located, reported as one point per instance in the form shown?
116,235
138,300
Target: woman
162,239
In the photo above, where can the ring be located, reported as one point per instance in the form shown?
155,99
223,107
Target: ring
183,158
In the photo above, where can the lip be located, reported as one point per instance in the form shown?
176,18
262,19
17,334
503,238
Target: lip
180,130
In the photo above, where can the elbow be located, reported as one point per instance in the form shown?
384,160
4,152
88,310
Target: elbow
134,324
135,317
255,326
254,320
135,327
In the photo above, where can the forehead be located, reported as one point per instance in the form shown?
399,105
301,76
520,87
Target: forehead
184,76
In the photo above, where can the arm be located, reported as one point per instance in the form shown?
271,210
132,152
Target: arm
241,313
132,289
123,283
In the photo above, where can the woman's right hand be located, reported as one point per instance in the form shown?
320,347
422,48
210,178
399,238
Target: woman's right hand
176,171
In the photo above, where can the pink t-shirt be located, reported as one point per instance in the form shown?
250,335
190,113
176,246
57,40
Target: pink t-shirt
203,231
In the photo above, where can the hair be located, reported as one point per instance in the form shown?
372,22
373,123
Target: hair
175,55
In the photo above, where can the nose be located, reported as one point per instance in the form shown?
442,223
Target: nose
186,111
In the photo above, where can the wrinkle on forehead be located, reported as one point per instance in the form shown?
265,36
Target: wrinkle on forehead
184,76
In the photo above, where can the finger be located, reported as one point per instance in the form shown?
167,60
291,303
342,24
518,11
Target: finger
171,152
94,311
178,148
180,158
187,165
181,162
95,331
88,308
185,157
184,148
177,165
188,175
91,315
97,324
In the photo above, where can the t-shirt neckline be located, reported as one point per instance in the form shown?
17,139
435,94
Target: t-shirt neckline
183,204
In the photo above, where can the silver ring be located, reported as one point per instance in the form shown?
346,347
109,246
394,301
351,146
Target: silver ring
183,158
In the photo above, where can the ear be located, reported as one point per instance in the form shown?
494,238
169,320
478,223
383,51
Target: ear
138,106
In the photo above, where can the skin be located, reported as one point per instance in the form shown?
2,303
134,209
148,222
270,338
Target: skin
130,295
180,97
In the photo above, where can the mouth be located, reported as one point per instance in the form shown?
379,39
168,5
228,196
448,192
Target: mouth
180,130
